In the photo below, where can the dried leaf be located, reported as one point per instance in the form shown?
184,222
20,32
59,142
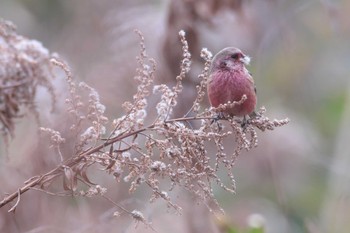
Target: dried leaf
110,165
81,170
84,175
69,179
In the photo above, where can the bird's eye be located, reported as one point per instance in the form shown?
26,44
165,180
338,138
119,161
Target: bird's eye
235,56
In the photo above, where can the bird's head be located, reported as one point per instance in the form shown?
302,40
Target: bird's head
230,58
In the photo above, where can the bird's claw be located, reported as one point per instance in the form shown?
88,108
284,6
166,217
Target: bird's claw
219,116
254,115
245,123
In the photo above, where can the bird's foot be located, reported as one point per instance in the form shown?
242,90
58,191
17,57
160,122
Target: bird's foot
244,123
219,116
254,115
247,119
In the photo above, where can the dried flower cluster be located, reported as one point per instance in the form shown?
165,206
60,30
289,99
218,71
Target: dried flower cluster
167,153
24,65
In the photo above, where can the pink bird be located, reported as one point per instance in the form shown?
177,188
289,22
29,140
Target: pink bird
229,80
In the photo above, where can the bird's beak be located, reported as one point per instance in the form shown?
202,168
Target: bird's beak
245,59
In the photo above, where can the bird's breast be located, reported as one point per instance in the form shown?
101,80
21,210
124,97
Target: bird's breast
231,86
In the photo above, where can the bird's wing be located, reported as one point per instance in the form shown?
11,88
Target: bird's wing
249,76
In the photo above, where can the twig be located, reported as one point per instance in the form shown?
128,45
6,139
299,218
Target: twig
15,205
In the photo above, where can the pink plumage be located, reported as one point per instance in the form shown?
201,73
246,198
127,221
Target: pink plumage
229,80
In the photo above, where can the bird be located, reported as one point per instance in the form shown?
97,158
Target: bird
229,80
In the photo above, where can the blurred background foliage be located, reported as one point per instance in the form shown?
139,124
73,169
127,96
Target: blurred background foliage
297,180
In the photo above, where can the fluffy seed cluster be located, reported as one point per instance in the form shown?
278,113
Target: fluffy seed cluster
24,66
88,114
